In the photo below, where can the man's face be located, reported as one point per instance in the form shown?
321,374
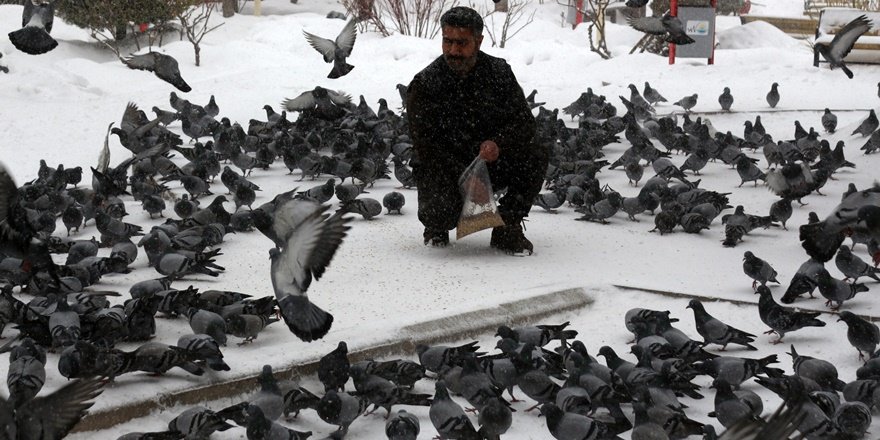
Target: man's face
460,47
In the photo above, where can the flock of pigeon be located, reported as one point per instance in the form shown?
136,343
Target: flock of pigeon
581,399
333,136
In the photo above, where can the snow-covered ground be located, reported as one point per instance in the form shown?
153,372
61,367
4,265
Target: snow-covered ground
57,107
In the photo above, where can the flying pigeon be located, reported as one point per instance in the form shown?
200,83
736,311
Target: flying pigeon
163,66
668,27
36,24
336,51
843,42
320,102
310,238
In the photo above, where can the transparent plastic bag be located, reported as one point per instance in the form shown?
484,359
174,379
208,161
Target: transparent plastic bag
478,211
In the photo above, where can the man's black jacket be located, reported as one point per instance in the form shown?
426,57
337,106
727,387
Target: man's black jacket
450,116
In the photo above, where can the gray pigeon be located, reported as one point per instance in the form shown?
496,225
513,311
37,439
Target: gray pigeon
782,320
725,99
688,102
729,409
781,211
837,291
199,422
365,206
872,144
394,201
321,193
36,23
269,398
163,66
716,332
758,270
336,51
853,419
495,419
448,417
340,409
565,426
820,371
853,267
773,95
334,368
652,95
402,426
829,121
868,126
310,238
843,42
748,171
862,334
803,281
208,323
25,378
259,427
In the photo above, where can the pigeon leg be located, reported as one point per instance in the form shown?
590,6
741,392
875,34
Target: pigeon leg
535,406
770,331
861,355
513,398
754,284
777,342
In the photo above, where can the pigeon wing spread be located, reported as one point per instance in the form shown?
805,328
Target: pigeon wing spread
648,25
309,248
345,39
146,61
845,39
305,101
325,47
339,98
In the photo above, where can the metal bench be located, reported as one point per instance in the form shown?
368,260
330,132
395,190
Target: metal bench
867,47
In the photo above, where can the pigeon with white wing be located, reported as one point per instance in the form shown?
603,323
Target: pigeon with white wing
310,238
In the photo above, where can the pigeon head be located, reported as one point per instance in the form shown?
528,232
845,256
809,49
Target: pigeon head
440,391
505,332
846,316
748,255
695,304
763,290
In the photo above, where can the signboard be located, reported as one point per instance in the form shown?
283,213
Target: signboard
699,24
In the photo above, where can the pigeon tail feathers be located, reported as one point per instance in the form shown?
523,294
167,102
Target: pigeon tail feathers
306,320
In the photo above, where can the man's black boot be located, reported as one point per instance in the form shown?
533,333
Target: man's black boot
510,239
436,237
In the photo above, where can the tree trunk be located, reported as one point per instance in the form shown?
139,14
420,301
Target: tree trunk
198,51
229,7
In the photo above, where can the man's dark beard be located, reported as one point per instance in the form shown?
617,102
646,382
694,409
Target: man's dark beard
460,64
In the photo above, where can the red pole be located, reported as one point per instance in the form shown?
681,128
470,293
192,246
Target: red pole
673,11
712,56
578,15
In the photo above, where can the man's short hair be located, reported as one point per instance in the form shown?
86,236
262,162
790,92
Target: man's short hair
463,17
